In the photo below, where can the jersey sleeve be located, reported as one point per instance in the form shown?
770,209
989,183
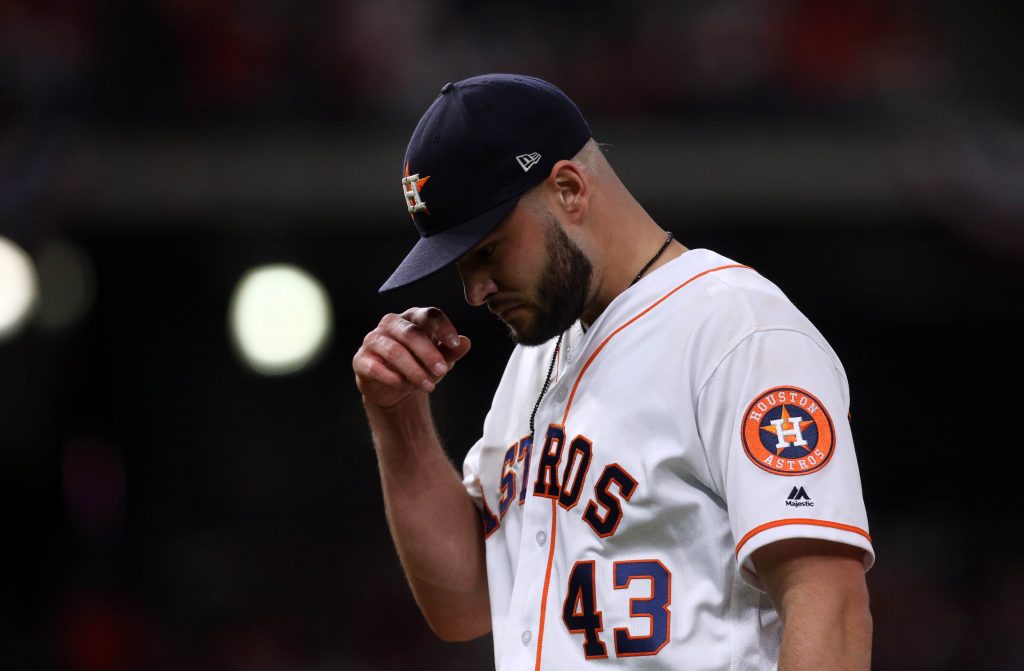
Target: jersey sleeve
471,474
504,418
773,417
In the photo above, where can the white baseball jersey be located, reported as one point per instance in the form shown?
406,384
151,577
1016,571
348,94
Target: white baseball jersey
700,417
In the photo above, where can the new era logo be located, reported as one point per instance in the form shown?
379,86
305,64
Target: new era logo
798,498
527,161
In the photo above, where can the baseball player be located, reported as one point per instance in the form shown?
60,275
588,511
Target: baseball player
666,478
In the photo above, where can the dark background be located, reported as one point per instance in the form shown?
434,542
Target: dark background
167,508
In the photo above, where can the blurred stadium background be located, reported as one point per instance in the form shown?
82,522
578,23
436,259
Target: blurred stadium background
173,503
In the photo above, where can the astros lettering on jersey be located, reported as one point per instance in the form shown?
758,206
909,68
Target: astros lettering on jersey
699,418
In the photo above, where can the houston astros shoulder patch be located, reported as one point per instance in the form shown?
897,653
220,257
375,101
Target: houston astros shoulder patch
787,431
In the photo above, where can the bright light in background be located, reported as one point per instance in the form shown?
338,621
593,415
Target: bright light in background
18,288
279,318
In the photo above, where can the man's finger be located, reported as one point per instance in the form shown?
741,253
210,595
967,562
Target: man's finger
419,343
436,324
453,354
397,356
370,368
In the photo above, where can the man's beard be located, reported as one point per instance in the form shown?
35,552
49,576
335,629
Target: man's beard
562,290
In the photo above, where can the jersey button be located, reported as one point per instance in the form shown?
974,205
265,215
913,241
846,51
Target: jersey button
541,538
526,637
560,394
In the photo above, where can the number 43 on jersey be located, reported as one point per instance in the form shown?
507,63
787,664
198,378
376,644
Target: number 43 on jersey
581,613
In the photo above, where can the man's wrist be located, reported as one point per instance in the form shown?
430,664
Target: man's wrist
404,425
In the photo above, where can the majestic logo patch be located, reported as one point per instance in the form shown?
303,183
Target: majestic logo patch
798,498
787,431
411,185
527,161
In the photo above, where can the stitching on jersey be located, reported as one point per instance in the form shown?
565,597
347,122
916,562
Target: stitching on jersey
766,329
828,353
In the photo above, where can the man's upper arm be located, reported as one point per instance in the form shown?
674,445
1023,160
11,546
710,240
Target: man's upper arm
818,587
807,568
773,419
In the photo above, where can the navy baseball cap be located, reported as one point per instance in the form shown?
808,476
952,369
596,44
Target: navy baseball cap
481,144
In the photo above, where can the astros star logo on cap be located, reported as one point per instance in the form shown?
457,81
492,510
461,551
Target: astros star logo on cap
412,194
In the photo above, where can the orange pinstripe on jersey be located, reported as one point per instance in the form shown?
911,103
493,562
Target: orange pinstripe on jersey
799,520
568,406
547,581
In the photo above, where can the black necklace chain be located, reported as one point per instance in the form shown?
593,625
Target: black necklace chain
558,343
654,258
547,383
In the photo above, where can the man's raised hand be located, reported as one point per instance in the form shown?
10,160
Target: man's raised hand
407,354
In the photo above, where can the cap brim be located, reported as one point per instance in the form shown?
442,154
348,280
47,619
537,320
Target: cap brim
433,254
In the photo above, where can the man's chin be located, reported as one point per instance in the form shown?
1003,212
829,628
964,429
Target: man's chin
521,331
526,339
526,331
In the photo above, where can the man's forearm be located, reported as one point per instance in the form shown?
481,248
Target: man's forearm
433,521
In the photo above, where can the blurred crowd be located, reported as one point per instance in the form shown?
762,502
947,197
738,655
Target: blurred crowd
168,63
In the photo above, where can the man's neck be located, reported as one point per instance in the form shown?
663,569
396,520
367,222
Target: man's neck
622,281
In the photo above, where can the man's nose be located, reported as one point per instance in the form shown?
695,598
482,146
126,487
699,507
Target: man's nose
477,284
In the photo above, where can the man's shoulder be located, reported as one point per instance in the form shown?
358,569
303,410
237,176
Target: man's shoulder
707,303
705,286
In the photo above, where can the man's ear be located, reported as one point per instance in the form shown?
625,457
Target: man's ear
570,188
